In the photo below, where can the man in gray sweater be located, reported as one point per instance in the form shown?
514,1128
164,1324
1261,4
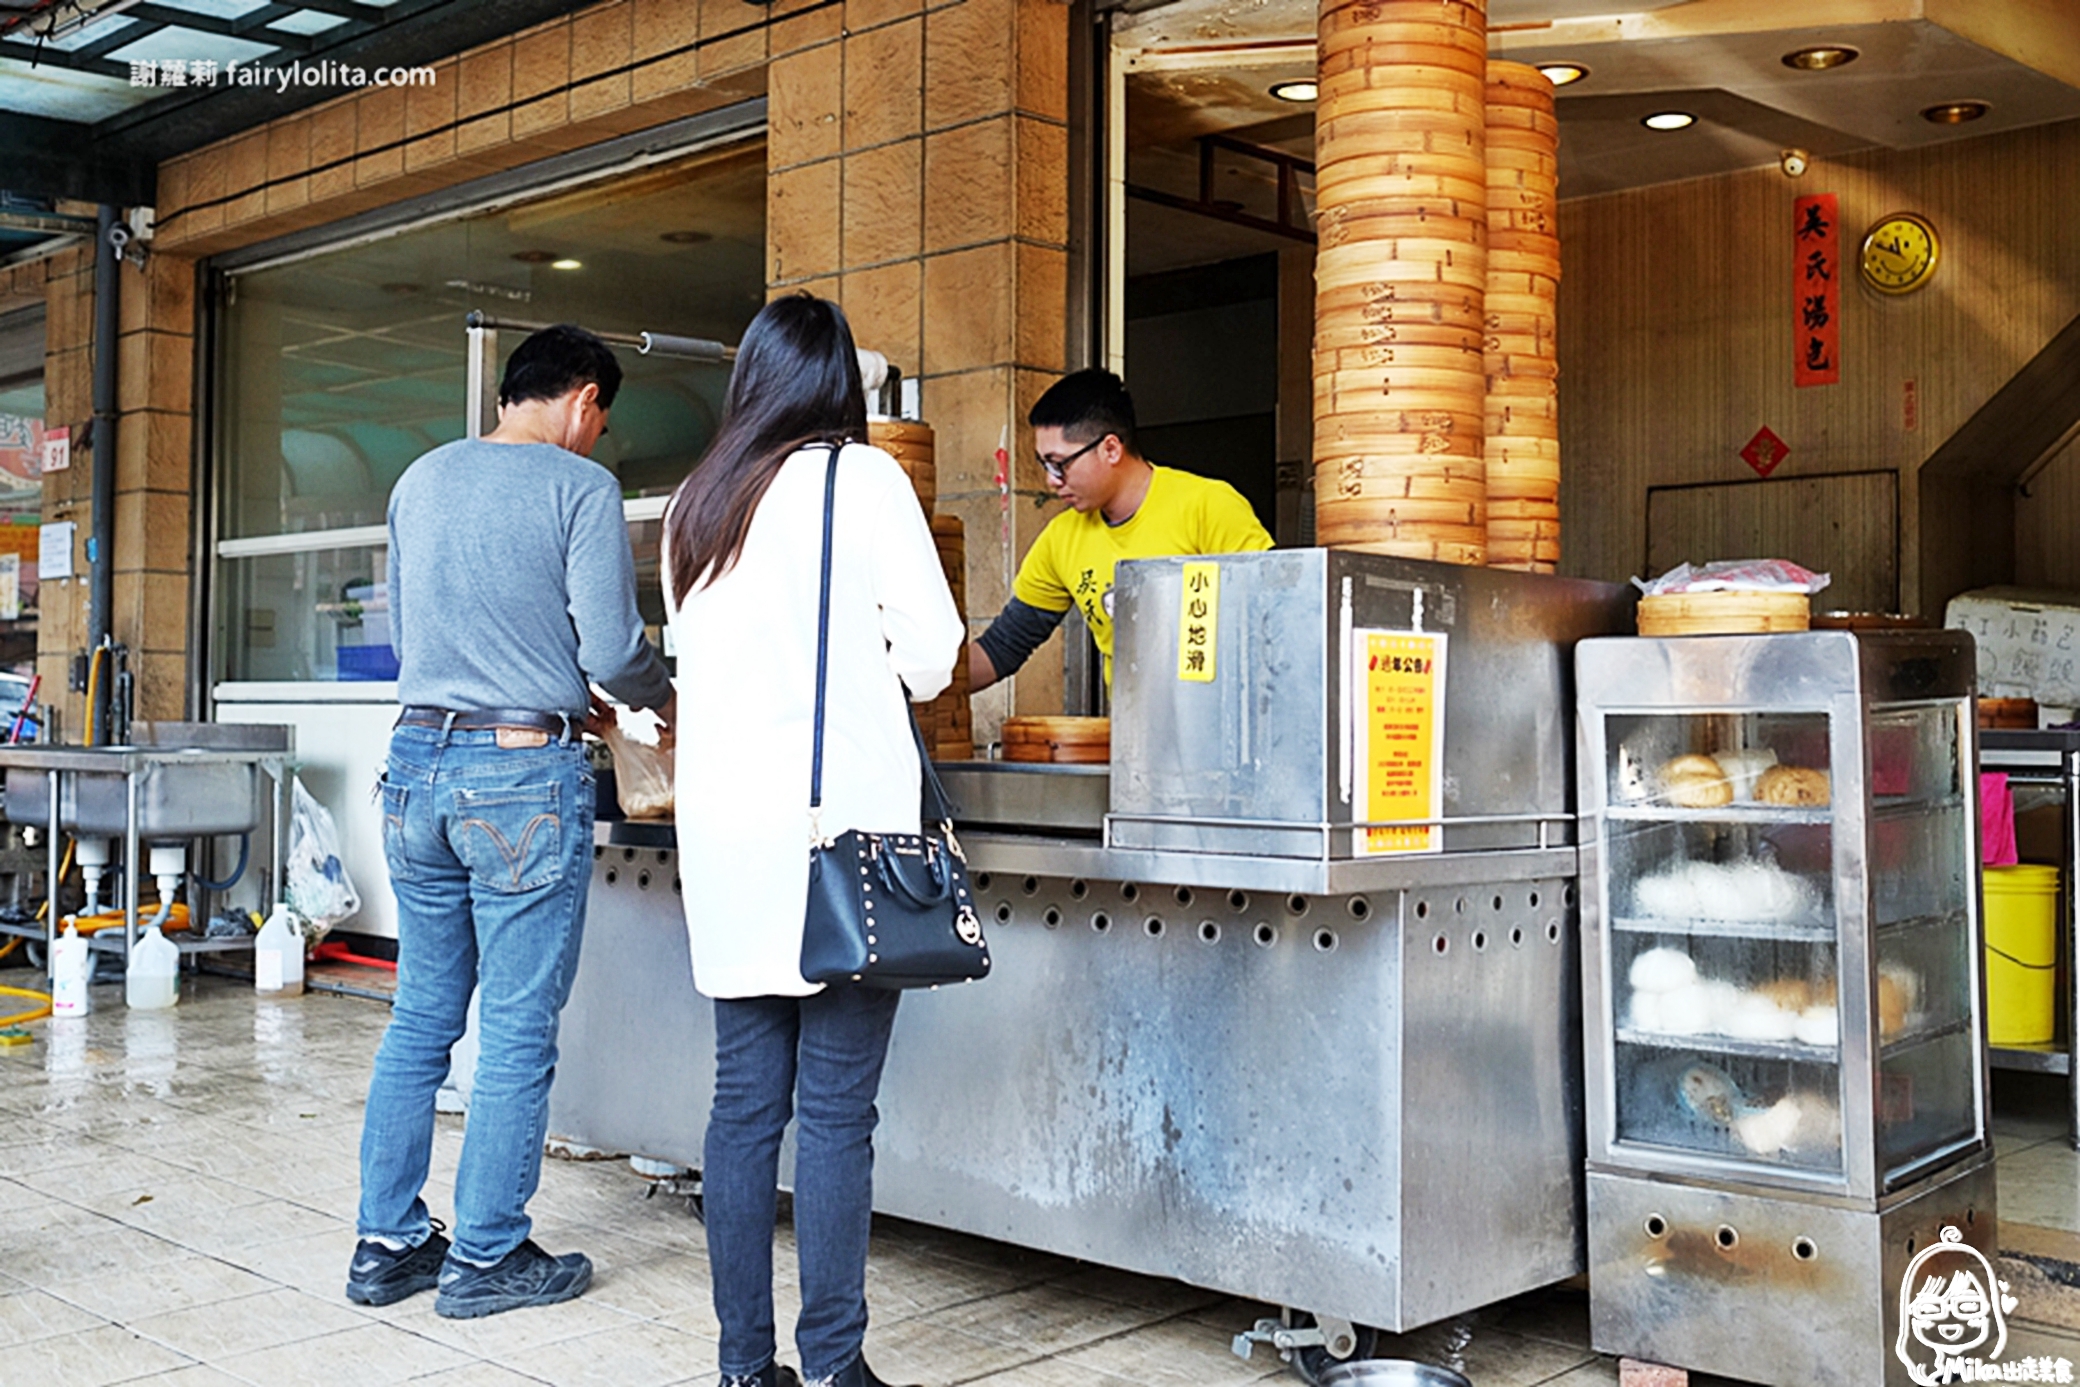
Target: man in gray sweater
511,589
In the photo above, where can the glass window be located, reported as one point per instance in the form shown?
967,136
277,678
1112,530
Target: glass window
339,369
21,511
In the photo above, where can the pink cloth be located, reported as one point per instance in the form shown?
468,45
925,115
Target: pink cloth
1996,820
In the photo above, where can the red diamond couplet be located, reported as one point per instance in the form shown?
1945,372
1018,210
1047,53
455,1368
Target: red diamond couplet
1764,451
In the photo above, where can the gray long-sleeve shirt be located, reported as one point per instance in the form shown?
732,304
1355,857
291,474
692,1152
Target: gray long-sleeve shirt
511,583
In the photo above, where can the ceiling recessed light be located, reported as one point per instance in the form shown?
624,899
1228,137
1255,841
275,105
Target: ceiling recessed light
686,238
534,257
1560,74
566,264
1820,57
1955,112
1304,89
1669,120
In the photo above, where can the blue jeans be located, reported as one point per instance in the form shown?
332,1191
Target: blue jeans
818,1058
490,854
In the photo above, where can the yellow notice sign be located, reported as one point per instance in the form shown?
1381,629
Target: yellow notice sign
1397,684
1198,621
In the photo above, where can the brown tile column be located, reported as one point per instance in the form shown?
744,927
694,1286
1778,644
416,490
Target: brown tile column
918,166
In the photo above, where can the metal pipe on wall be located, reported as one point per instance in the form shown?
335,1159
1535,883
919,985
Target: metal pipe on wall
102,518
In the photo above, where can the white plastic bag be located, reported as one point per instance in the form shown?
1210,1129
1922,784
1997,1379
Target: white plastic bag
643,774
1740,575
319,888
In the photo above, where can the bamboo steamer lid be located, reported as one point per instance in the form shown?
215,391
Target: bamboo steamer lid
1723,613
910,443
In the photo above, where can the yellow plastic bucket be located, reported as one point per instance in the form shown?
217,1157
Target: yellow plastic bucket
2021,953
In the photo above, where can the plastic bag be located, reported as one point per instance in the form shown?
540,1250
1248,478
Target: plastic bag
643,774
1743,575
319,888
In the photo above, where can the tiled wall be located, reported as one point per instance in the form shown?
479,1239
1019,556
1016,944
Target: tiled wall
918,153
940,132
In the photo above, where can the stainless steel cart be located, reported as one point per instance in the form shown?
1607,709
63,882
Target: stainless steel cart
1783,999
1222,1042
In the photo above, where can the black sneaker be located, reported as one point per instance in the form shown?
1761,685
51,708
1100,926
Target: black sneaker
525,1276
381,1276
774,1374
853,1374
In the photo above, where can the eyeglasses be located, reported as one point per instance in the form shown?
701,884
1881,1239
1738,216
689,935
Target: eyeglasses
1057,468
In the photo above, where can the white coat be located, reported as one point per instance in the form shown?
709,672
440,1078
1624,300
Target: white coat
746,649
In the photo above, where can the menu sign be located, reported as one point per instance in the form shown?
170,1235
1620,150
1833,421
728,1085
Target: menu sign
1397,683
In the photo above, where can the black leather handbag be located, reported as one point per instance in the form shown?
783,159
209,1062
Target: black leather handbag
885,909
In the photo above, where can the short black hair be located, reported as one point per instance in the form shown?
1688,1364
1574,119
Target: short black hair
1087,405
556,361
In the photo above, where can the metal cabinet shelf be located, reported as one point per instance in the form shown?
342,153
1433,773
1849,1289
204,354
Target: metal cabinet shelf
2050,758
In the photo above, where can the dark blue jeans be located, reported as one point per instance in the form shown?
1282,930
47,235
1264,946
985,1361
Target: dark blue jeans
490,856
817,1059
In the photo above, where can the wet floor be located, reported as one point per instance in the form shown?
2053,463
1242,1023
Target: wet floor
177,1194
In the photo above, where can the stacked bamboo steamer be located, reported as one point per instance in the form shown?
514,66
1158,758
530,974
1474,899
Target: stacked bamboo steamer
1400,273
910,443
1058,740
1522,418
946,721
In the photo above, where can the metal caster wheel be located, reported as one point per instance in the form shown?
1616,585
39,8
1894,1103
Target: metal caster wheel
1313,1360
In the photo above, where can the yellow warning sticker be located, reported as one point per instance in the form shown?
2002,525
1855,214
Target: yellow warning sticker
1198,621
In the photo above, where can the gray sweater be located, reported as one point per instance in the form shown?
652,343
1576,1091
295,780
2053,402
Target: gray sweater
511,583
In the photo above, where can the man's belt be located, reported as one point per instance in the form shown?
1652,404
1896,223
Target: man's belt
484,719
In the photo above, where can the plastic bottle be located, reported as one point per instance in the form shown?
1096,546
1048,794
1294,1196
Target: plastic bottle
278,955
153,978
71,967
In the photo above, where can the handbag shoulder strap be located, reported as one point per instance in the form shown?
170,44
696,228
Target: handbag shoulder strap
823,643
934,805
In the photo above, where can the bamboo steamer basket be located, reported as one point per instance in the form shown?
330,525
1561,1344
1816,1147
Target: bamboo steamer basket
1723,613
1523,510
1520,366
1450,430
1357,333
1525,388
1403,355
946,720
1060,740
1342,76
1507,118
910,443
1453,224
1522,449
1356,180
1466,554
1333,485
1435,302
1448,65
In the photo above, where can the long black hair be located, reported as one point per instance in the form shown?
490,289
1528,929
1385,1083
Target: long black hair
796,382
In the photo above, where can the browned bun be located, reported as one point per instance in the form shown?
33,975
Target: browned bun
1695,782
1796,786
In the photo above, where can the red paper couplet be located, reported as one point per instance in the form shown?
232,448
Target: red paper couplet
1816,293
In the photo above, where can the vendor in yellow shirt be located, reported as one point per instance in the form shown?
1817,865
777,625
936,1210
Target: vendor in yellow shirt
1122,507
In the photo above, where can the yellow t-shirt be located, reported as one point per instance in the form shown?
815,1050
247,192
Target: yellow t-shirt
1074,558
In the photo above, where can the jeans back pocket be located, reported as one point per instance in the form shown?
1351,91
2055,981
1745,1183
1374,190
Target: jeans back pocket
511,838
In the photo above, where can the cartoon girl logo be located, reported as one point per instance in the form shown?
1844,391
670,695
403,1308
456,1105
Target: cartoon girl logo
1955,1309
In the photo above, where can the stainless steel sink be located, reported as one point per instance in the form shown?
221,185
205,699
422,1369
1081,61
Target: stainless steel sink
182,792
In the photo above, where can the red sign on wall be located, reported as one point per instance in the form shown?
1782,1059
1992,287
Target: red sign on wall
1816,278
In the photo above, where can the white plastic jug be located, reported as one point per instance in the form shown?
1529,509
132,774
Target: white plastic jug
153,978
278,955
71,967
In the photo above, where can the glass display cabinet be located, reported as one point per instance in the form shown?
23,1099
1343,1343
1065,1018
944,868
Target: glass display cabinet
1786,1089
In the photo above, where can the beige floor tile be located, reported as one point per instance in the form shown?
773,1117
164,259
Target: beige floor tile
642,1353
1051,1372
258,1226
199,1375
179,1284
29,1315
663,1289
183,1192
213,1332
2041,1185
90,1358
107,1173
85,1252
316,1262
1175,1353
1044,1319
378,1355
514,1332
920,1350
476,1375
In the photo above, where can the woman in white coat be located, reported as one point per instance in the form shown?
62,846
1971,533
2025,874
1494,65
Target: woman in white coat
743,542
